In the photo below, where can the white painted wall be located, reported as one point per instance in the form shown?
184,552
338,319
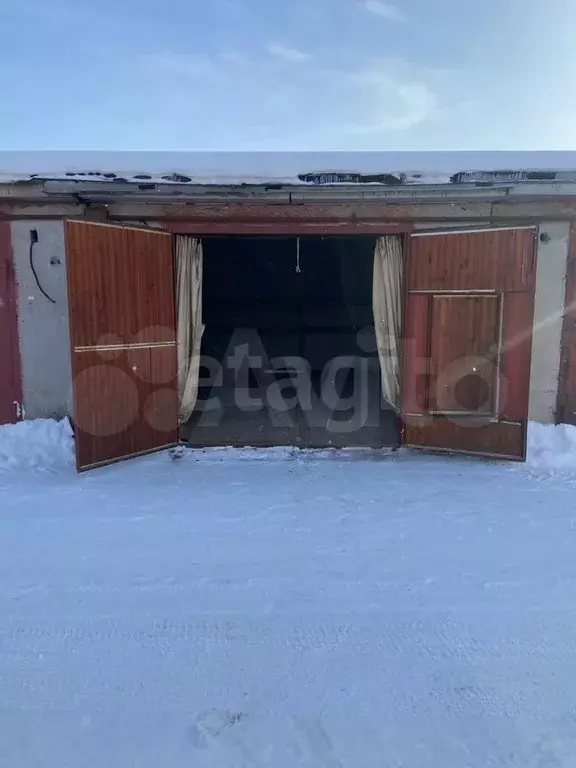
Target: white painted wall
548,315
43,327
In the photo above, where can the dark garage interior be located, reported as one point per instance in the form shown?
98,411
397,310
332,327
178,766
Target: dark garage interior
266,299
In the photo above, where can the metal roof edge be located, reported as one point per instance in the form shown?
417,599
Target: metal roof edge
96,191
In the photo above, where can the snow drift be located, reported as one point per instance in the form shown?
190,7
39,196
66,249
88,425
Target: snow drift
39,444
48,444
552,447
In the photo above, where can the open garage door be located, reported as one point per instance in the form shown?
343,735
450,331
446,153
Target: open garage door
468,340
123,337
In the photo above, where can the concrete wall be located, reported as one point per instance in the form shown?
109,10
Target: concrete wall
548,315
43,326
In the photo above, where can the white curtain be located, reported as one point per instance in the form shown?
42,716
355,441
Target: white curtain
387,306
190,328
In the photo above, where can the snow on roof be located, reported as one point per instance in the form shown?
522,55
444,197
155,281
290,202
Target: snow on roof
289,167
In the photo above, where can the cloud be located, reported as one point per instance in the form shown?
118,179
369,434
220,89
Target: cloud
386,10
389,100
293,55
382,103
416,103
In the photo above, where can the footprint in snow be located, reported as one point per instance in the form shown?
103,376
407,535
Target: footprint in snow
211,724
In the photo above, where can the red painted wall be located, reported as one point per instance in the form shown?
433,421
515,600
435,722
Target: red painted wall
10,371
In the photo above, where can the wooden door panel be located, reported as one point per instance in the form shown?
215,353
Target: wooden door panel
415,387
120,409
123,331
566,400
516,353
118,286
465,341
466,435
468,340
490,260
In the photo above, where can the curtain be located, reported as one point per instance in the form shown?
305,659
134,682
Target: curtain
189,262
387,307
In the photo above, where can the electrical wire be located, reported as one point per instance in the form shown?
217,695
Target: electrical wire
33,268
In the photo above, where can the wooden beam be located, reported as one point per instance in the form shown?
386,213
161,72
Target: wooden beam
310,215
290,228
300,212
42,210
23,191
559,208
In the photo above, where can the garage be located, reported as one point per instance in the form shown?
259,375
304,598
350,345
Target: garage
312,339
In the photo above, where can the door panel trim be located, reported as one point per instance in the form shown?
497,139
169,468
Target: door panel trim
135,455
434,232
116,225
122,347
457,292
437,430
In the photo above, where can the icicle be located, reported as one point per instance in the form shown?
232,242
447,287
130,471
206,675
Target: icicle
298,270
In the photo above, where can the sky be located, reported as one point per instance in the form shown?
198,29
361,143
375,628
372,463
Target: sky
301,75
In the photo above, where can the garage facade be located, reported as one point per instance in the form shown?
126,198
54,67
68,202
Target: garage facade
320,317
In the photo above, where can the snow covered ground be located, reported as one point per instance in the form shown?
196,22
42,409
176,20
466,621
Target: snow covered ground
246,608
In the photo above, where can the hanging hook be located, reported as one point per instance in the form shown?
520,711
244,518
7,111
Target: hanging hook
298,270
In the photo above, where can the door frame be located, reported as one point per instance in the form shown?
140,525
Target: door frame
15,368
303,225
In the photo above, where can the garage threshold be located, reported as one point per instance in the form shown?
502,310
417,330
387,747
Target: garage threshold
279,453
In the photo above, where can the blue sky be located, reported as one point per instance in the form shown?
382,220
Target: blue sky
303,75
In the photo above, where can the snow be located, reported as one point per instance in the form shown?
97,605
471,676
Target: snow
40,444
552,448
269,167
43,444
232,609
